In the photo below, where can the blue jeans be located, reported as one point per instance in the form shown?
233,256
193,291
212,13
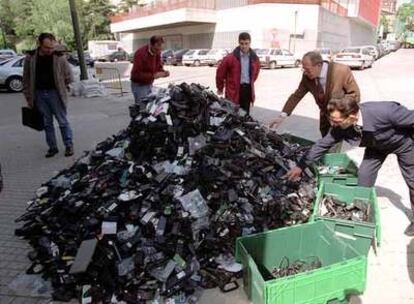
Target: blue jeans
49,104
140,90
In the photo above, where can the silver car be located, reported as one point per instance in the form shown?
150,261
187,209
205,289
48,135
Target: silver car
11,73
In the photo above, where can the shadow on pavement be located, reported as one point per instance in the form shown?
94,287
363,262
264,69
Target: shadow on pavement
395,199
410,260
301,126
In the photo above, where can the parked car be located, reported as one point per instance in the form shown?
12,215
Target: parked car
195,57
114,57
165,54
5,54
275,57
176,58
73,59
356,57
373,51
393,45
381,50
326,53
214,57
11,73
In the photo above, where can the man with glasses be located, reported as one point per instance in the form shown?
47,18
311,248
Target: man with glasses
323,80
46,77
383,128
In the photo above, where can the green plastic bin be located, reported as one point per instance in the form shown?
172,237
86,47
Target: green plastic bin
343,271
370,230
297,140
338,159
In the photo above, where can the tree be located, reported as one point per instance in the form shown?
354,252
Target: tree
125,5
405,18
96,14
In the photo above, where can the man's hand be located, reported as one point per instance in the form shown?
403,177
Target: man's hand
220,92
274,124
161,74
294,174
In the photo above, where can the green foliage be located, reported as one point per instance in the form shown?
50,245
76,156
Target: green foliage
24,20
405,17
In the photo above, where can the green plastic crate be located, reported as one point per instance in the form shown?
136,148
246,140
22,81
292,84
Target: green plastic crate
370,230
338,159
343,271
297,140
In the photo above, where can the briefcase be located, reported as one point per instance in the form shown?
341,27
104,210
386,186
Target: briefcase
32,118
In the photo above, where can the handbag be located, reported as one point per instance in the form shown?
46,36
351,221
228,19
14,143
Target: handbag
32,118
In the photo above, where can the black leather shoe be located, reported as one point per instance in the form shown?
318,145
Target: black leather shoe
69,151
51,152
410,230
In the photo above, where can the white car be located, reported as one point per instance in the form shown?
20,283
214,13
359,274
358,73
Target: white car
214,57
6,54
326,54
11,74
355,57
373,51
275,57
195,57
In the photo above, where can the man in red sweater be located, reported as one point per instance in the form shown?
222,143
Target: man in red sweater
147,67
237,72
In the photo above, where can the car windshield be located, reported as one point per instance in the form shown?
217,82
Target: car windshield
191,52
262,51
203,52
351,51
179,52
213,52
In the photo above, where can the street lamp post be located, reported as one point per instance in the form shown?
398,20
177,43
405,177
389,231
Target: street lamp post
79,46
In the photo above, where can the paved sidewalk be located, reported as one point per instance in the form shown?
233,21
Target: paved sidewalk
391,271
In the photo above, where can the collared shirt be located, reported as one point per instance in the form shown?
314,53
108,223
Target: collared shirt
323,77
245,67
360,122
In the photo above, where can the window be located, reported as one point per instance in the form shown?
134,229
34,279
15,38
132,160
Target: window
276,52
203,52
190,52
356,51
287,53
365,52
262,51
18,63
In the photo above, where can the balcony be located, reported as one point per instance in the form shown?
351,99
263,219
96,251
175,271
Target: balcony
165,13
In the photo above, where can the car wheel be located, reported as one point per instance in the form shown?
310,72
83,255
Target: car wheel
197,63
15,84
272,65
297,63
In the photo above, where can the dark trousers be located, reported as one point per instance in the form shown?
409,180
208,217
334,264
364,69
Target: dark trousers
245,97
373,160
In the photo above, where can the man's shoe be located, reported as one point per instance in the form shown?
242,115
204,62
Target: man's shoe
69,151
410,230
51,152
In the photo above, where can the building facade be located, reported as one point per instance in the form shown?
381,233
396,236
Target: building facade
299,26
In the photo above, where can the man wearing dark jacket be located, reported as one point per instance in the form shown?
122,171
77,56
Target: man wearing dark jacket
237,72
382,127
147,67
